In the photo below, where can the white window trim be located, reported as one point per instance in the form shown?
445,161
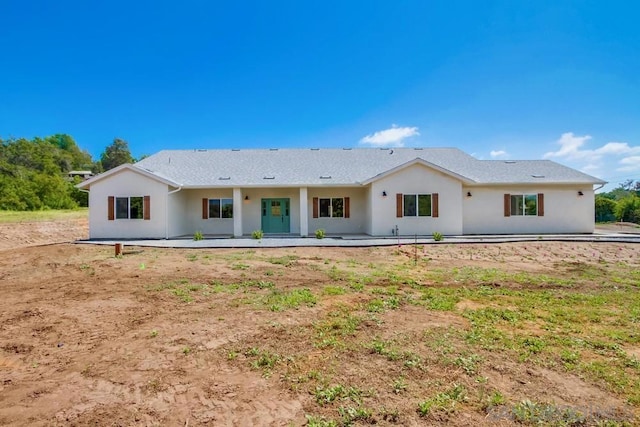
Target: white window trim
524,205
418,205
219,199
128,218
320,199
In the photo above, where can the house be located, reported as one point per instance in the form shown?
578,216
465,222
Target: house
378,192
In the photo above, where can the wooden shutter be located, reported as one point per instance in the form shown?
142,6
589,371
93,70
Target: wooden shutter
146,209
434,205
205,208
347,212
315,207
399,205
111,201
507,205
540,204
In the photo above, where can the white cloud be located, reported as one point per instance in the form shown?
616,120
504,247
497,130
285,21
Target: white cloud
499,154
600,161
631,164
570,147
392,137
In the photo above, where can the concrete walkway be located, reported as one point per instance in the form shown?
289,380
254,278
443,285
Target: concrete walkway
363,241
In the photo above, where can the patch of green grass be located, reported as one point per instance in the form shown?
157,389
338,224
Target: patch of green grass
279,300
443,299
326,395
44,215
334,290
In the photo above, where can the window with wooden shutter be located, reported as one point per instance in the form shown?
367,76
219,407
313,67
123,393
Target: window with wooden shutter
315,207
147,208
434,205
347,211
205,208
111,201
399,205
540,204
507,205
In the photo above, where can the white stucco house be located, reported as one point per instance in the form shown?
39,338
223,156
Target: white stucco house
379,192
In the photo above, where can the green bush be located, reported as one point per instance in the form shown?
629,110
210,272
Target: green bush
257,234
198,236
320,233
437,236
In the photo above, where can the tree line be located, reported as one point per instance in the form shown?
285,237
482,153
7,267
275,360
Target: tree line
34,174
620,204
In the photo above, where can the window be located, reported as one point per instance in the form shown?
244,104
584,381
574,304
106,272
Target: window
416,205
218,208
129,208
335,207
524,205
332,208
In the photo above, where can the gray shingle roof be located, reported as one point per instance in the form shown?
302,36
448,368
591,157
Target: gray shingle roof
310,167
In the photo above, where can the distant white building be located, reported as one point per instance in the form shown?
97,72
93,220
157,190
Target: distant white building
81,174
379,192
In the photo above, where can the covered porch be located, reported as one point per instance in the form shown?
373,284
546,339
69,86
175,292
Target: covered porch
277,211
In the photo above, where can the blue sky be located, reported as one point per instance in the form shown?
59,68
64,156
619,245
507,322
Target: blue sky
498,79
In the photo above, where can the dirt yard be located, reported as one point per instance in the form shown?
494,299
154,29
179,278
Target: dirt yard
482,334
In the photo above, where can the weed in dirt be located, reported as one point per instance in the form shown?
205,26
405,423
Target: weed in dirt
315,421
350,414
384,348
286,260
240,266
186,350
153,333
445,401
469,364
399,385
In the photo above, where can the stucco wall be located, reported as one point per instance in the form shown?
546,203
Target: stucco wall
564,211
416,179
127,184
192,217
252,216
178,214
358,207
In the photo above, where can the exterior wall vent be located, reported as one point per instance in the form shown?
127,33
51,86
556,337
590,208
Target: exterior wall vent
325,176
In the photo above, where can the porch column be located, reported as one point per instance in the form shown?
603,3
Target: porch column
304,213
237,212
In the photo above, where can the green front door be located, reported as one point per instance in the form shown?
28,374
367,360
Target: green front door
275,215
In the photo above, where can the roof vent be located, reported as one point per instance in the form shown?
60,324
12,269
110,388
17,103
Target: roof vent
325,176
273,149
315,149
269,177
224,178
509,162
418,148
347,148
235,149
385,149
201,150
538,176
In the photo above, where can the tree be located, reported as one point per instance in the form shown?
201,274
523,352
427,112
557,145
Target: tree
115,155
605,208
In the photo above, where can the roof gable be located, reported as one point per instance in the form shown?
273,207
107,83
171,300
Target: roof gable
127,166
